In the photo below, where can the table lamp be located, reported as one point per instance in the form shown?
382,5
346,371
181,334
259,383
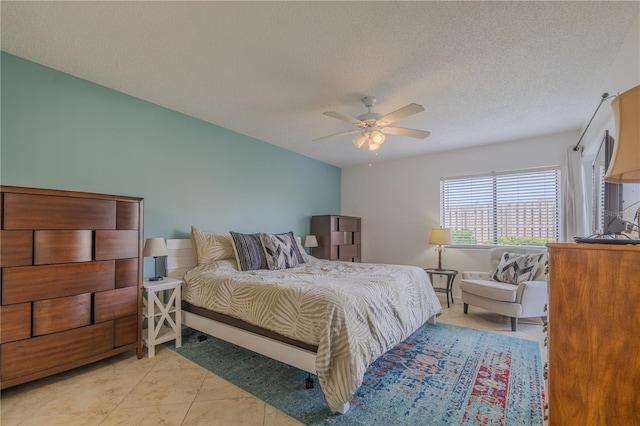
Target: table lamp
441,237
155,247
311,241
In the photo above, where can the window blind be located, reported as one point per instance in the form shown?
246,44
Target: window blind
502,208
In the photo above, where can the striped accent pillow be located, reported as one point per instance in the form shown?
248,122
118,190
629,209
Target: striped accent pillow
249,252
281,250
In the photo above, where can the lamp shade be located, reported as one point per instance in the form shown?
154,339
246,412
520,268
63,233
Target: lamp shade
311,241
377,137
440,236
155,247
625,161
359,140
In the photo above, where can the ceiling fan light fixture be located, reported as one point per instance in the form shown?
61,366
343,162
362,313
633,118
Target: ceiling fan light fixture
372,127
377,137
373,146
359,140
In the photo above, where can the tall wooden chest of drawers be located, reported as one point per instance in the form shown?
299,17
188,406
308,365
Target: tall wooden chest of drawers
71,289
594,329
338,237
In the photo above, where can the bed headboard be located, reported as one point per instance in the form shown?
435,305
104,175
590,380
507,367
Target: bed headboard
181,257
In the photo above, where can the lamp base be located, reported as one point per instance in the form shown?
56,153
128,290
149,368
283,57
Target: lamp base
157,277
439,250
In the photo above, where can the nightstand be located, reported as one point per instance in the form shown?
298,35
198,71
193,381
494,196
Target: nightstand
450,274
162,309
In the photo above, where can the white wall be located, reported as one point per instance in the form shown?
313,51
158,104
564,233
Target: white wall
399,201
623,75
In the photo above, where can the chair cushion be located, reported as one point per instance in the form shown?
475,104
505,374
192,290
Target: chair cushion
517,268
490,289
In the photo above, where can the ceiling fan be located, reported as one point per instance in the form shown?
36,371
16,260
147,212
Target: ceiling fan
371,127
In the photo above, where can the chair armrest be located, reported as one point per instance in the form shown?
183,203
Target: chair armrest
475,275
532,295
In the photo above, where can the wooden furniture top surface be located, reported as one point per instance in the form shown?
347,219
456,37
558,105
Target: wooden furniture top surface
608,247
58,192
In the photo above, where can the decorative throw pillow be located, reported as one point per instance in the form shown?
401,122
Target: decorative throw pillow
517,268
249,252
211,247
281,250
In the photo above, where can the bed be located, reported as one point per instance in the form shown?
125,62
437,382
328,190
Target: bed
328,318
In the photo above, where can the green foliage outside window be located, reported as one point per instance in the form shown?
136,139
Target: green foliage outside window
512,240
465,236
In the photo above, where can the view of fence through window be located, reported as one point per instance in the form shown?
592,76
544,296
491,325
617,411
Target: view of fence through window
510,208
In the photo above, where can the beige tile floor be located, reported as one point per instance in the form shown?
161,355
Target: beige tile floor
170,390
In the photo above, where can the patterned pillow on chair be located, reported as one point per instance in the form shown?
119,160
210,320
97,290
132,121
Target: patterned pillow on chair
518,268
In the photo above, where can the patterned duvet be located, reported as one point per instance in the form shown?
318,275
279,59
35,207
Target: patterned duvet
353,312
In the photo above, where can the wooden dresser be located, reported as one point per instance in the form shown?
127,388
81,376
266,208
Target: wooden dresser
338,237
594,334
71,289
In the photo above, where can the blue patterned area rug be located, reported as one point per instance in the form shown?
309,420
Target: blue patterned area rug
442,375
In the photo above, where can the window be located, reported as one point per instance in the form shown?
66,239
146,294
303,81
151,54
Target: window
502,208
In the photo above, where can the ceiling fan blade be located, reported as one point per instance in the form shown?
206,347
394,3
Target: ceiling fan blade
401,131
348,132
399,114
343,117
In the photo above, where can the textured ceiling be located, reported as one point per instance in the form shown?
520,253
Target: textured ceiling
485,71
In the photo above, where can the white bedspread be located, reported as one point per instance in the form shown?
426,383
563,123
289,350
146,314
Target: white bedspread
353,312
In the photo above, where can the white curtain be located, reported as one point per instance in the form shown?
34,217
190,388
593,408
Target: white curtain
574,213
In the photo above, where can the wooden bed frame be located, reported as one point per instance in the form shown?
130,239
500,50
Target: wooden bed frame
181,258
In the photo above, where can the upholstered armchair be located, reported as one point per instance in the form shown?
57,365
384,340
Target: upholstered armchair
525,297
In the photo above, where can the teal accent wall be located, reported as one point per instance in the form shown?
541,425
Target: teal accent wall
62,132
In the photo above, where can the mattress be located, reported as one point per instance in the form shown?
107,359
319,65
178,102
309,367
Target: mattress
352,312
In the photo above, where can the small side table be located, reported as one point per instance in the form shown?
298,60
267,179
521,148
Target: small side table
162,308
450,274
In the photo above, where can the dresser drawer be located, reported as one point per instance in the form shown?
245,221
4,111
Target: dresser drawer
30,211
348,252
127,272
63,313
126,330
29,283
16,248
347,224
62,247
40,353
115,304
116,244
127,215
341,238
15,321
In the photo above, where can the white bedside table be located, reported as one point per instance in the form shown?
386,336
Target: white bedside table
162,308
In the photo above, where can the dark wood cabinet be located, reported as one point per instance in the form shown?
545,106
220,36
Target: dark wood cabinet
338,237
71,288
594,324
